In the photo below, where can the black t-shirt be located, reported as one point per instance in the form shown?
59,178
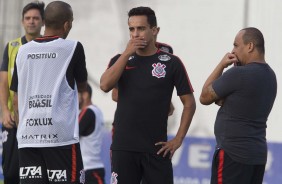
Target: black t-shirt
145,91
76,70
163,47
240,128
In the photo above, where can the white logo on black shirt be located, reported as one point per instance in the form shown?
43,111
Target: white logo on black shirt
131,57
164,57
158,70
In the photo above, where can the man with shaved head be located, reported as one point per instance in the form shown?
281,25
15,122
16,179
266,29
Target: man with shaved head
48,74
57,14
246,94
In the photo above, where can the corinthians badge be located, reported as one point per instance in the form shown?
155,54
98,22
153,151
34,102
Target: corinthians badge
158,70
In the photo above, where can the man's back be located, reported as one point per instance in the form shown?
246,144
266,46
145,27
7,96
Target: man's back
50,111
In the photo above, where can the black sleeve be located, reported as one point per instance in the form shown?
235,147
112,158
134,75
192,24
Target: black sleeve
228,82
5,61
181,79
80,72
77,68
14,82
87,122
113,60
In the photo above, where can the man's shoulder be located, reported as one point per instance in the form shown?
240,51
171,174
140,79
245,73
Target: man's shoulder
166,56
116,57
164,47
71,41
15,42
95,108
67,41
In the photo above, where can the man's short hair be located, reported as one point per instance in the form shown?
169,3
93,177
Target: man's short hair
255,36
39,5
57,13
146,11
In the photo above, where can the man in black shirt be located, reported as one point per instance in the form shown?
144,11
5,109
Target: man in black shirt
146,77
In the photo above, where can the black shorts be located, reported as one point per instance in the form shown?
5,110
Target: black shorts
95,176
131,167
10,157
51,165
225,170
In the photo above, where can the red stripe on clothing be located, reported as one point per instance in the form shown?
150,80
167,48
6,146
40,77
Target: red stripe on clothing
99,179
81,114
220,166
73,165
189,82
46,37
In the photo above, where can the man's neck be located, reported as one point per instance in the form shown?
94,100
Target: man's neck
86,104
257,59
54,32
31,37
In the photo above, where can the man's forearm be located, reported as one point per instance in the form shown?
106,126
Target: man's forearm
111,76
189,108
4,91
16,110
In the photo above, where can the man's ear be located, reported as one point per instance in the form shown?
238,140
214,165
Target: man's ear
155,30
158,29
251,47
66,25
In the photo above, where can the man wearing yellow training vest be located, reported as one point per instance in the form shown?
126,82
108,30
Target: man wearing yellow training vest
32,21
